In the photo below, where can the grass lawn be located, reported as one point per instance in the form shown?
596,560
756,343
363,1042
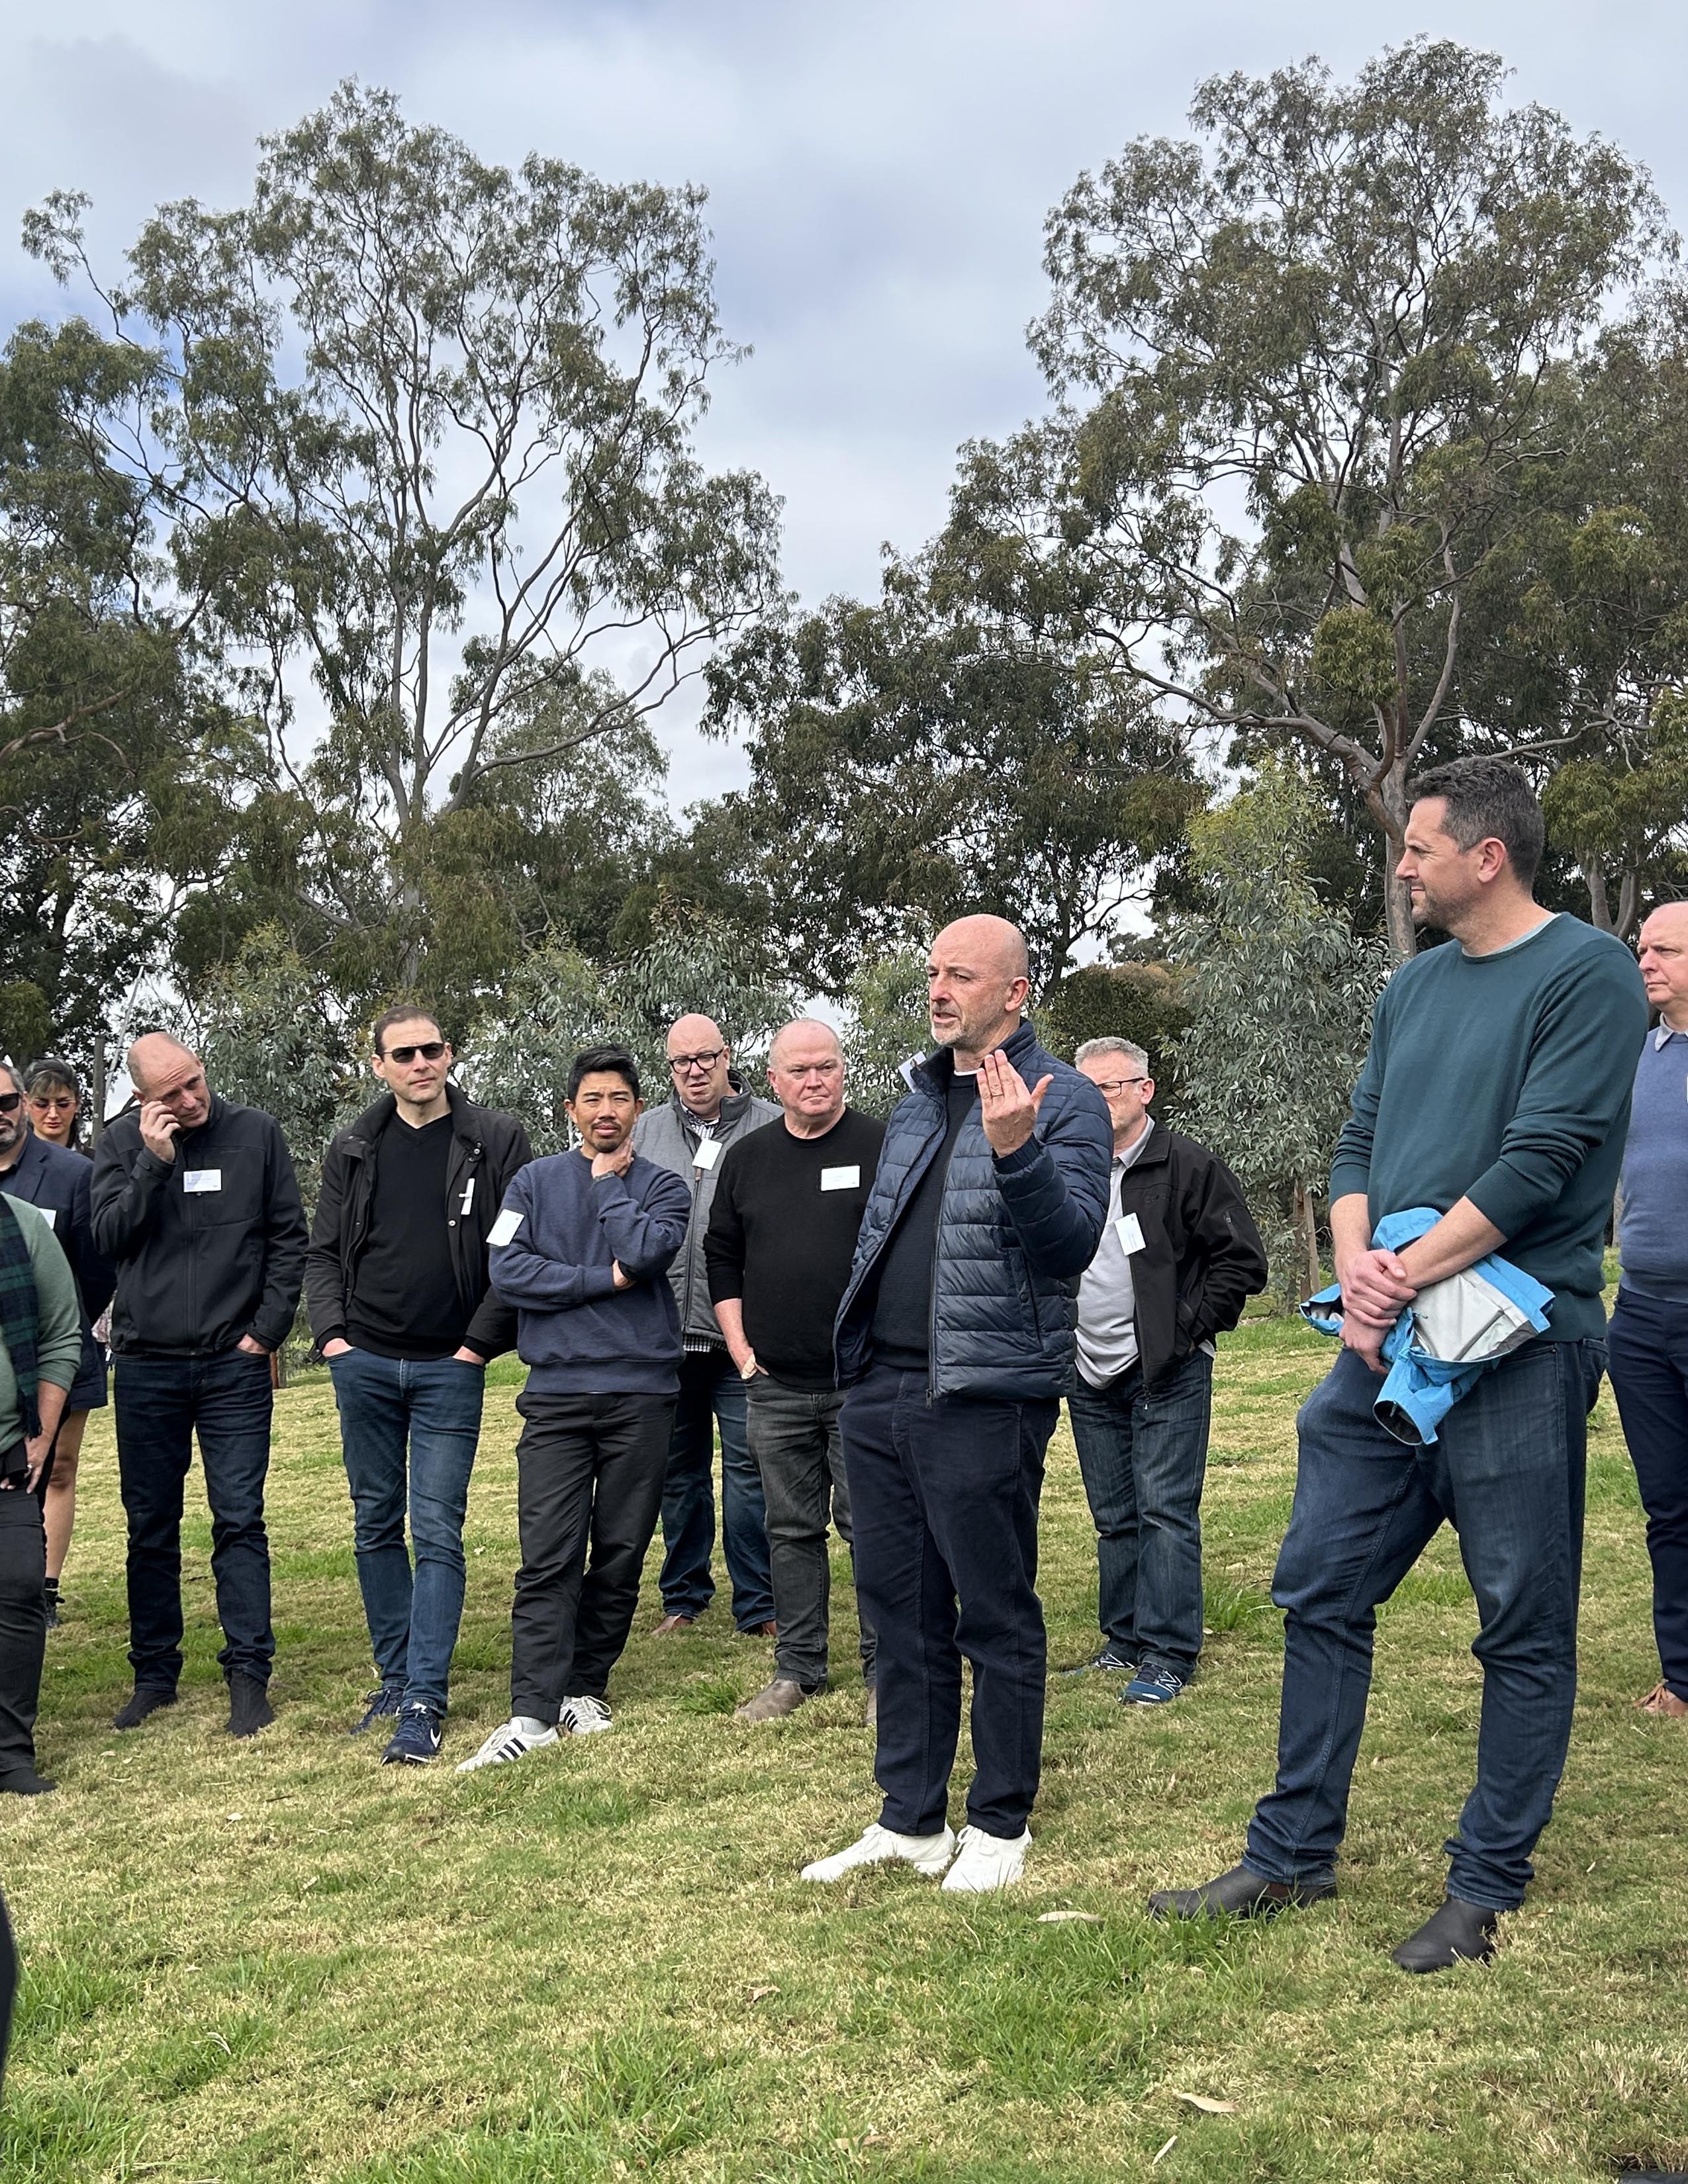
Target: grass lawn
281,1961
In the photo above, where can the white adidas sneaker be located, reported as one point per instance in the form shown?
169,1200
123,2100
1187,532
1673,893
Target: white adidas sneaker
926,1854
510,1741
986,1863
583,1717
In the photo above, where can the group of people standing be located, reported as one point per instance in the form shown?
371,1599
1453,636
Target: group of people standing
879,1322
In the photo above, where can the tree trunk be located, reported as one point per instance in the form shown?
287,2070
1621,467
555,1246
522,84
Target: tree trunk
1403,937
1306,1222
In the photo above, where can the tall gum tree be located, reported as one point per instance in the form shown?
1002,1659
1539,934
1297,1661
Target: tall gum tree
1300,365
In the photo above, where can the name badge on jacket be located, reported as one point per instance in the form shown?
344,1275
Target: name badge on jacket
707,1154
202,1178
1129,1230
48,1214
841,1178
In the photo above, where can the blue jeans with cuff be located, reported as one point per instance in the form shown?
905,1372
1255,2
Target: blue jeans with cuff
1143,1457
415,1423
711,1392
1507,1474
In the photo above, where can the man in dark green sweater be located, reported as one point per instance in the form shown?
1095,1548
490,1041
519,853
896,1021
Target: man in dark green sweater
1496,1093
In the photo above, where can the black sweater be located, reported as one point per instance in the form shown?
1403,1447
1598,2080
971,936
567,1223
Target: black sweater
782,1234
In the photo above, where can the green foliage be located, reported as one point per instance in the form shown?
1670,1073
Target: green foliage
1143,1002
886,1025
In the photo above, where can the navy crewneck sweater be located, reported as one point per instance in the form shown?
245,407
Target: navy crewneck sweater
1655,1229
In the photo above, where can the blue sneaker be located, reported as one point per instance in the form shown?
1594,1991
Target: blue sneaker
416,1740
1152,1687
1108,1662
384,1705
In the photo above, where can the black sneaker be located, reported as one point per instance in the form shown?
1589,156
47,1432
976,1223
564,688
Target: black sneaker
49,1595
144,1699
383,1705
249,1706
416,1740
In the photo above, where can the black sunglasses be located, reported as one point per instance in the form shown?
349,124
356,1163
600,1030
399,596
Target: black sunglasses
430,1050
10,1102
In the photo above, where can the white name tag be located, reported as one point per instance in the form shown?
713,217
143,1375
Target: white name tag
468,1195
1129,1230
50,1213
505,1226
202,1178
841,1178
707,1154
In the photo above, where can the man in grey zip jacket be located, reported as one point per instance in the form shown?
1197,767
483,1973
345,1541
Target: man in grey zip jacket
708,1109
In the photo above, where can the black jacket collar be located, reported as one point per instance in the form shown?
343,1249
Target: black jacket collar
375,1117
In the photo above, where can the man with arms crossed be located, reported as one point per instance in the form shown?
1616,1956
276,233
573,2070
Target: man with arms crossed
396,1283
195,1201
1650,1325
782,1230
1496,1093
708,1111
1179,1257
955,1339
581,1250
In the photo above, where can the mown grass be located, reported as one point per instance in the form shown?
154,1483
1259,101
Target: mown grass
280,1962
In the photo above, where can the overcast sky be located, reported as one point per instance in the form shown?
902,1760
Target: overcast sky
878,173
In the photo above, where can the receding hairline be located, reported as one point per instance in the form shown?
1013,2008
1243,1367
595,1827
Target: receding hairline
696,1016
799,1024
159,1044
1664,910
1005,941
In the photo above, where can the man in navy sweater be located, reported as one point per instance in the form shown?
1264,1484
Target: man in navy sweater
1497,1092
1650,1325
581,1249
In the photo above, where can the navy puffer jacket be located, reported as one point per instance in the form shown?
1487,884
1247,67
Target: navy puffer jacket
1014,1235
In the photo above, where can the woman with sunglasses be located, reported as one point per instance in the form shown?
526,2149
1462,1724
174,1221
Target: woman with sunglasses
47,1170
55,1098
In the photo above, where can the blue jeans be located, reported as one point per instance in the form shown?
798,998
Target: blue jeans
162,1404
429,1410
710,1390
1143,1457
1649,1341
944,1499
1507,1474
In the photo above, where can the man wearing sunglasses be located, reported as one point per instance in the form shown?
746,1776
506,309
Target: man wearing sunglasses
708,1109
1179,1257
397,1288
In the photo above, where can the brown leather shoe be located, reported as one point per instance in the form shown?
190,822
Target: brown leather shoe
1664,1700
762,1631
671,1626
782,1696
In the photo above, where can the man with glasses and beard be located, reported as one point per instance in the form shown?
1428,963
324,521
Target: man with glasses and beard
1179,1257
708,1109
396,1284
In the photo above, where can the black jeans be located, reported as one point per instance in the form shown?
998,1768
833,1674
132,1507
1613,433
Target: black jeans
162,1403
795,1438
1648,1347
589,1471
1143,1454
23,1625
945,1500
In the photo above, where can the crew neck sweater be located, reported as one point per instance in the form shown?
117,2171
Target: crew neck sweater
782,1235
902,1310
404,1302
1654,1237
1506,1079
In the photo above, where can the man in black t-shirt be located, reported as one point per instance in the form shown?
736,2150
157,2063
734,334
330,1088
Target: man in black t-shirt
781,1238
396,1283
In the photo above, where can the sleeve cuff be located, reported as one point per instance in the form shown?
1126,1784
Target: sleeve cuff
1348,1179
1022,1157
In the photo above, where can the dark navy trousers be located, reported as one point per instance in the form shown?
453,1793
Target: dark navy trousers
1648,1341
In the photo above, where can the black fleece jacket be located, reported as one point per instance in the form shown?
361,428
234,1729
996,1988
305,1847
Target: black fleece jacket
1201,1259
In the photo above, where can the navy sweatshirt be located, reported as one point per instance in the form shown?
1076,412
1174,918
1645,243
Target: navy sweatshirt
551,1254
1505,1079
1655,1233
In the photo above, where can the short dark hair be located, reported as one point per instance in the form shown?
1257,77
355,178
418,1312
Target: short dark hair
601,1061
1488,799
52,1074
404,1012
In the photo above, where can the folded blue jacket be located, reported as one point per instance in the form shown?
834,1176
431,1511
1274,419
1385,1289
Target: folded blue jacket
1420,1389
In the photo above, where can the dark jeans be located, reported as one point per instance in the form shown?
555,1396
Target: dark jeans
711,1391
945,1500
1143,1455
23,1625
420,1418
1507,1474
1649,1346
588,1472
162,1403
796,1441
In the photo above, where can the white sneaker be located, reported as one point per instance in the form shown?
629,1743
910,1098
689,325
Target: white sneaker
926,1854
509,1742
583,1717
984,1863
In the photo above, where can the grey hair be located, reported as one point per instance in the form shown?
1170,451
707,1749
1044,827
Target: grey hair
1128,1048
16,1075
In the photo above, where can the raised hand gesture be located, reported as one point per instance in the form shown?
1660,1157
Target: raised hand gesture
1008,1110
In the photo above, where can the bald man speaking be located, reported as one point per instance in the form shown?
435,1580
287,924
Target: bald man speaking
195,1202
956,1338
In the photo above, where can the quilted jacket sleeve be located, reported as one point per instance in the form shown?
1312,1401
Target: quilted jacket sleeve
1055,1186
